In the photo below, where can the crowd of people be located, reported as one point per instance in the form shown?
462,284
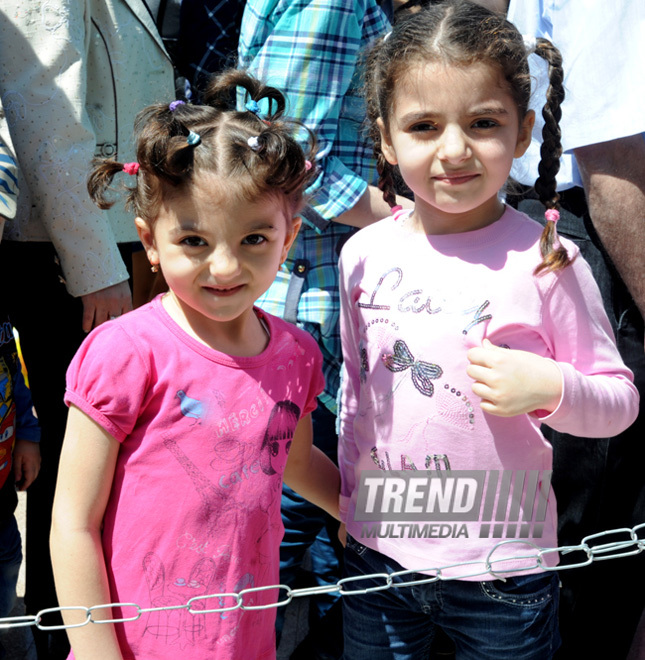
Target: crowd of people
346,239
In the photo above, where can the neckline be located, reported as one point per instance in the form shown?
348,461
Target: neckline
212,354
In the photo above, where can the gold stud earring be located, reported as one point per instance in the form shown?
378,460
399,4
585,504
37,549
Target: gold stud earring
154,268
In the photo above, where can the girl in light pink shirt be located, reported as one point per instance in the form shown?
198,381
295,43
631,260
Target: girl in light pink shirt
465,326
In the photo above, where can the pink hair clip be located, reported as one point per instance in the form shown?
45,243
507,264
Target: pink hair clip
552,215
308,165
131,168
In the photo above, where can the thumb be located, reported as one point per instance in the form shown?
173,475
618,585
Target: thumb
487,343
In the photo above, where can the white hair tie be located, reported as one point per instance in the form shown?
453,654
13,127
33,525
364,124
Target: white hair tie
530,43
254,143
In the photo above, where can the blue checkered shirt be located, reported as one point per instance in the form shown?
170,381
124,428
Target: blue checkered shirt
309,50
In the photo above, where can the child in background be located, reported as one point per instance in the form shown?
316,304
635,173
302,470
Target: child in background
19,432
183,412
464,328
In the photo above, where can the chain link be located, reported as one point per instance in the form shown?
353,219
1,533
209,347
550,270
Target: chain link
592,551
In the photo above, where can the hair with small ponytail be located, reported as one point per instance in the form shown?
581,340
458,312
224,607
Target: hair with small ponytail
462,33
175,144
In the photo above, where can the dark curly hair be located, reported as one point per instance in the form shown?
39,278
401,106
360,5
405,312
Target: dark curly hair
462,33
275,163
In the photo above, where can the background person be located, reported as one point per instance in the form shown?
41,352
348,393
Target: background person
599,484
73,76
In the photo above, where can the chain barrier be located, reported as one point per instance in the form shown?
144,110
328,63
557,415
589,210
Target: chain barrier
590,550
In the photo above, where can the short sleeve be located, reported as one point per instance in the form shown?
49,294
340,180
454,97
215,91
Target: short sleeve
108,379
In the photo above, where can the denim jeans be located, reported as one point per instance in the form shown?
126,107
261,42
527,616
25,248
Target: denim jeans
512,619
10,560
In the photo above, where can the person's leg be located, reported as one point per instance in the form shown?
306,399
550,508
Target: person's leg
598,482
392,624
511,619
10,560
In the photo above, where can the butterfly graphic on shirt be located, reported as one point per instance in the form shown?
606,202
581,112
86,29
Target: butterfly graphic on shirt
422,372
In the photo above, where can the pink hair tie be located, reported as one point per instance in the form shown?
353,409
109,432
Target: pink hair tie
131,168
396,209
308,165
552,215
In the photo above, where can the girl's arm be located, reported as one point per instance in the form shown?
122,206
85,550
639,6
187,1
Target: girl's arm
309,472
586,389
87,464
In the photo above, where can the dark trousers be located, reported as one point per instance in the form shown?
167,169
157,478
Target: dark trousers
48,320
599,483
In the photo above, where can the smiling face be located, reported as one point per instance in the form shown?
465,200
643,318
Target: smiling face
454,132
218,252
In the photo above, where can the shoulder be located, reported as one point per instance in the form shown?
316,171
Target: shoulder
287,337
370,238
129,337
531,231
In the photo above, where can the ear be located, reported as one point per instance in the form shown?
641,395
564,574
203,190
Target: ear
290,237
146,236
386,143
524,136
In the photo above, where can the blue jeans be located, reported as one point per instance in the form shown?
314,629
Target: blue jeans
10,560
512,619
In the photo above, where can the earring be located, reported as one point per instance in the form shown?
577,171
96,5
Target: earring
154,268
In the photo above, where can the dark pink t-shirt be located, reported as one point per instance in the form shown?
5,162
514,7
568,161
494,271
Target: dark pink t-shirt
195,503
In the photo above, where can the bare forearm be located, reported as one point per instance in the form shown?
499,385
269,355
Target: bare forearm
81,579
319,482
613,175
371,207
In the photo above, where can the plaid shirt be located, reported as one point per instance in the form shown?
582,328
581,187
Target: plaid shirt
308,49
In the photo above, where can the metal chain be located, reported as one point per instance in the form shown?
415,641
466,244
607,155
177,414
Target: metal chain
590,547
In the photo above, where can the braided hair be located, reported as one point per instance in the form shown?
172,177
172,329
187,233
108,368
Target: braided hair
462,33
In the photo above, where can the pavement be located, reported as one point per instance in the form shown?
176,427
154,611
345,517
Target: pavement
19,642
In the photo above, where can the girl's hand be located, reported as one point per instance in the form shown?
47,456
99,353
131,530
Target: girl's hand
511,382
342,534
26,463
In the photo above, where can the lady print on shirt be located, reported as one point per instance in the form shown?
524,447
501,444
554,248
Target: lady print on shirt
411,301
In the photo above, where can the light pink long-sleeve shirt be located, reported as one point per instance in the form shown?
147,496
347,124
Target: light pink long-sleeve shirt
412,306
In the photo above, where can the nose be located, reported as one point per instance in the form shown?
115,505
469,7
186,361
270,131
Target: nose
453,146
224,264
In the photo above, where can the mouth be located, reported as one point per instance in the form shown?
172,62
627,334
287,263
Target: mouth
455,179
224,291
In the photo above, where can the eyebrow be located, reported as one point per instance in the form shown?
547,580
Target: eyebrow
489,110
422,115
191,226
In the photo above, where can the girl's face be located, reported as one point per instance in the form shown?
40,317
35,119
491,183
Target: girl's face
454,132
218,252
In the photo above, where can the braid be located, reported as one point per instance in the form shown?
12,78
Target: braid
554,255
386,182
376,101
